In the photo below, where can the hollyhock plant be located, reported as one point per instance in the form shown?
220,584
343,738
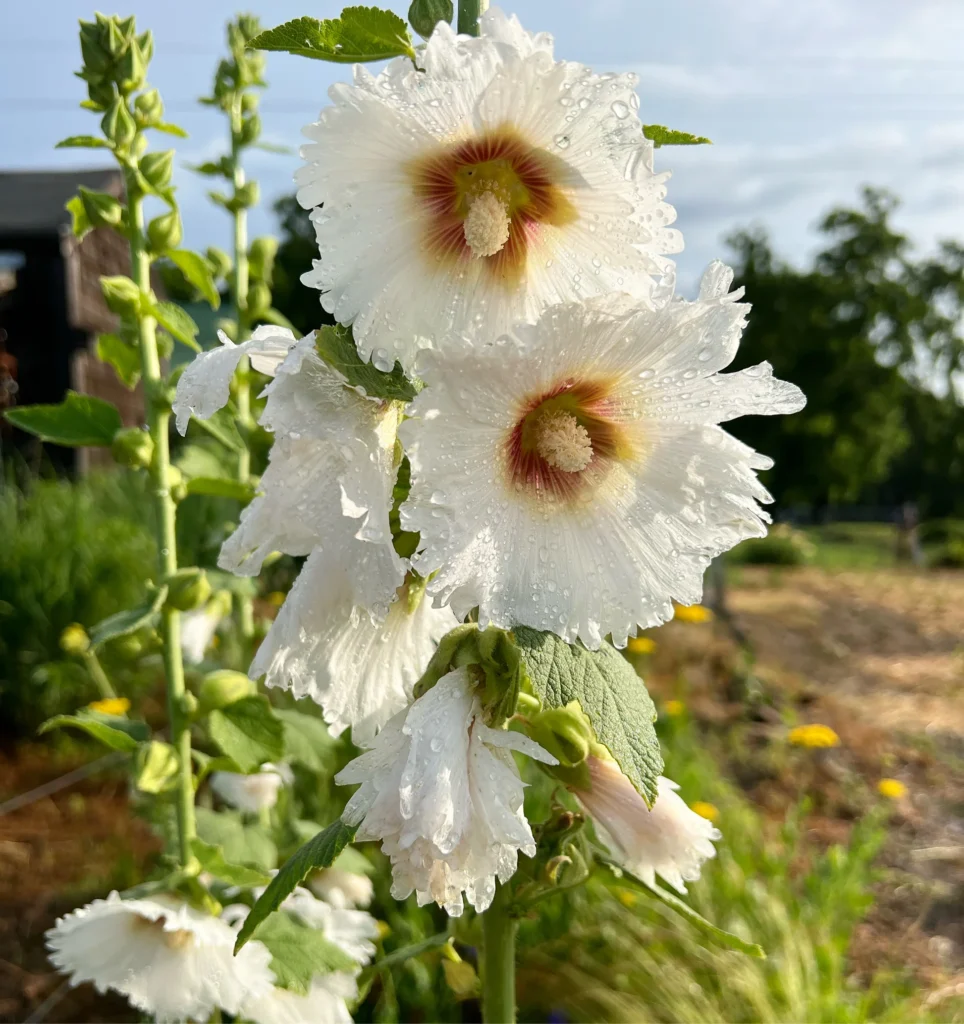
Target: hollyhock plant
489,181
572,475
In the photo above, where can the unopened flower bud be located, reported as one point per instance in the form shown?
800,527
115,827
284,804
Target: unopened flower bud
148,107
219,261
247,195
74,640
188,589
218,689
261,258
156,167
132,447
164,232
103,210
117,124
122,295
259,300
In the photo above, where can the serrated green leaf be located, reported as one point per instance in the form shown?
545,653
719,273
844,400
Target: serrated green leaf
78,421
319,852
126,360
360,34
609,692
221,487
122,623
662,136
173,319
720,937
214,862
336,346
111,730
300,952
248,731
307,740
156,767
195,268
83,142
250,845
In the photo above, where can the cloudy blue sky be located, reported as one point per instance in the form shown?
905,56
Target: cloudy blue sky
804,102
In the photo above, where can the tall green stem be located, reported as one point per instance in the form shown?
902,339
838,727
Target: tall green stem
469,13
498,960
158,418
245,606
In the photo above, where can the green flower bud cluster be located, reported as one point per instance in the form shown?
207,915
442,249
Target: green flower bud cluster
115,64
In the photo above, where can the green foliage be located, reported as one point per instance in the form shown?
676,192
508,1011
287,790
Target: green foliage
221,487
213,861
299,952
250,845
77,421
336,346
424,15
661,136
71,553
610,694
319,852
360,34
307,740
197,271
113,731
174,320
155,767
248,731
124,357
781,546
129,620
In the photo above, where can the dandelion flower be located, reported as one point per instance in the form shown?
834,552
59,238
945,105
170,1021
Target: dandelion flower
171,961
441,791
709,811
118,706
669,840
573,477
814,736
692,613
893,789
478,188
641,645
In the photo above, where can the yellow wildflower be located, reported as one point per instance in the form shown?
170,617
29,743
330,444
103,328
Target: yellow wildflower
276,598
692,613
705,810
893,789
813,736
673,708
111,706
627,898
641,645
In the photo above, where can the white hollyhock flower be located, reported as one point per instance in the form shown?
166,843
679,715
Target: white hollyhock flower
441,791
343,889
255,792
203,387
350,930
572,476
669,840
477,189
359,663
325,1003
170,960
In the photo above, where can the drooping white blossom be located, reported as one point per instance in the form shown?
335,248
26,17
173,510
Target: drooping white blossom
572,475
441,791
342,888
170,960
669,840
359,663
353,931
478,188
255,792
325,1003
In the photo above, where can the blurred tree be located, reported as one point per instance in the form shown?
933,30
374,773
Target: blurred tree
872,336
300,304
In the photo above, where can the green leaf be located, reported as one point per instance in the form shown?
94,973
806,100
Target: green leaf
307,740
424,15
80,225
111,730
724,939
299,952
79,420
172,318
661,136
169,129
156,767
241,843
122,623
112,349
195,268
248,731
319,852
83,142
214,862
275,316
211,169
360,34
337,347
221,487
609,692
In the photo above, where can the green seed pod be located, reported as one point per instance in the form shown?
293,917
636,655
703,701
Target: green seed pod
188,589
564,732
165,232
132,447
218,689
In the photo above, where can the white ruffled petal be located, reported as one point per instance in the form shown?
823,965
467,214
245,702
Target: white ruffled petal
251,793
326,1003
204,385
170,960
